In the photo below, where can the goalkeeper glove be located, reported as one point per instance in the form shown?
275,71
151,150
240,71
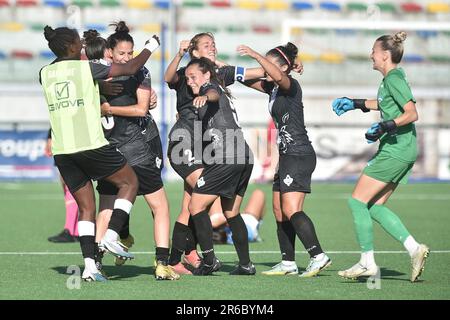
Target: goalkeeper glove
378,129
344,104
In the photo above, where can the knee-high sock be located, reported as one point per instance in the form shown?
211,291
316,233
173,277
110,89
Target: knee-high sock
363,224
125,232
191,239
87,243
306,232
286,239
71,212
390,222
178,243
204,232
240,238
119,218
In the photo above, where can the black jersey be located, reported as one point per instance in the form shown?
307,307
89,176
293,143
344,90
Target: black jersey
130,134
220,123
286,109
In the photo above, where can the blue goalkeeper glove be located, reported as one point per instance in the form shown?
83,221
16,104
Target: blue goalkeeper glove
344,104
378,129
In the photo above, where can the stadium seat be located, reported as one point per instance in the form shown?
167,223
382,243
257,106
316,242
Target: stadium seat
411,7
426,33
110,3
248,4
261,29
54,3
332,57
225,57
440,58
4,3
138,4
193,3
26,3
276,5
206,28
151,28
306,57
235,29
2,55
162,4
330,6
82,3
46,54
301,5
21,54
358,57
97,26
413,58
12,26
438,7
220,3
38,27
386,7
357,6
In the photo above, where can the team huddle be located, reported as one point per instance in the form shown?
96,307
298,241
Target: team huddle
102,129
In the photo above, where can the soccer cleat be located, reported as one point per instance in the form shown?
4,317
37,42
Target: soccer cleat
165,272
98,263
358,270
117,249
192,259
315,266
93,276
281,269
206,270
418,261
127,243
63,237
247,270
181,269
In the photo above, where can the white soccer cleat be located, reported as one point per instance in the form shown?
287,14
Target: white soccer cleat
418,261
358,270
281,269
93,276
316,265
117,249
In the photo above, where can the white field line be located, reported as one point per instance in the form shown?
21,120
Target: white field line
44,253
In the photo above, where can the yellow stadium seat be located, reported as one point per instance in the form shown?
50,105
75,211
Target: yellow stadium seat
438,7
331,57
306,57
297,31
138,4
150,28
276,5
249,4
12,26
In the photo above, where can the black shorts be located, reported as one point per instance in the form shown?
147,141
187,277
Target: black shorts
294,173
79,168
147,172
224,180
181,151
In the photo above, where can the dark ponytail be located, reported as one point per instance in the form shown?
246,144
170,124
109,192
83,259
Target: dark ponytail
94,45
285,54
60,39
121,34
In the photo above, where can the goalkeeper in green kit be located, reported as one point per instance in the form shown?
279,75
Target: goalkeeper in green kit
393,162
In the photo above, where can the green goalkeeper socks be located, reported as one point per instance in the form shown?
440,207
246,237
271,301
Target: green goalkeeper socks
390,222
363,224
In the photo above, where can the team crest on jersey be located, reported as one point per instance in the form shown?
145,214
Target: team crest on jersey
288,180
158,162
201,182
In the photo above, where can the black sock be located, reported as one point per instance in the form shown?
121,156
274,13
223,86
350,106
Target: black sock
118,220
125,232
191,239
304,228
204,232
286,239
178,243
162,254
240,239
87,244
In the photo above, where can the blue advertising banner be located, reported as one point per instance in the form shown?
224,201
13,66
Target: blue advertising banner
22,156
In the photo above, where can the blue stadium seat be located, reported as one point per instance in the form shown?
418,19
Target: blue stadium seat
427,33
46,54
330,6
162,4
2,55
413,58
54,3
302,5
96,26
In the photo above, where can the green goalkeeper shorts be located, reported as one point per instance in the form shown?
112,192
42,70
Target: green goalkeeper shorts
383,167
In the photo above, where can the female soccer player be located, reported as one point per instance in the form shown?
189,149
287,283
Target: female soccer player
227,170
135,134
80,149
184,157
393,162
297,159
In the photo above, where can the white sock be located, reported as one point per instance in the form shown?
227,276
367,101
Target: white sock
288,263
89,264
367,258
86,228
111,235
411,245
